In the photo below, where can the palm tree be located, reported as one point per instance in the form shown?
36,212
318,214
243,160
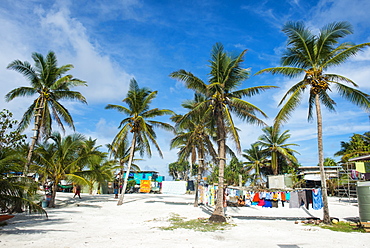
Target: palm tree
194,140
94,165
256,164
357,146
274,143
221,100
122,154
51,85
59,159
329,162
16,194
98,172
311,55
139,124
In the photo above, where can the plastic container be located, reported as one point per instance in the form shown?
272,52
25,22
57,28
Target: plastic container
363,198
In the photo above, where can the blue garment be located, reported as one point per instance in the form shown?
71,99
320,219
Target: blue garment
287,196
268,204
317,199
268,196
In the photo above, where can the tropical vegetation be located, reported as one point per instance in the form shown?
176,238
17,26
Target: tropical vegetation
50,84
222,98
311,55
274,144
202,134
139,123
358,145
194,139
257,165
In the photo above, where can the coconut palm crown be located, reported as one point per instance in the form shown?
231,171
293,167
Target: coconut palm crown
51,85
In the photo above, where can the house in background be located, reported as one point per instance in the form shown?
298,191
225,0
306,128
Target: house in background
144,175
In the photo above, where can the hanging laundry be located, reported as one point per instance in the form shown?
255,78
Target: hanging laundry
302,198
287,196
294,203
308,198
317,199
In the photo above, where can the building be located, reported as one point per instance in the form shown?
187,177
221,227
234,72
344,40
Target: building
144,175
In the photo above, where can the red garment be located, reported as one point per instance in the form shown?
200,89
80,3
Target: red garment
282,195
256,197
261,203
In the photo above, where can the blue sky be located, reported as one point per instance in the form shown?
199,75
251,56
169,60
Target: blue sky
109,42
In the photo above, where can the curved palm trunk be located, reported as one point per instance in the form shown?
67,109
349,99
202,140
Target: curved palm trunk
34,138
132,151
218,214
199,177
54,194
326,216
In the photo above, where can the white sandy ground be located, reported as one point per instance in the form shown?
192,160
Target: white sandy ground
97,221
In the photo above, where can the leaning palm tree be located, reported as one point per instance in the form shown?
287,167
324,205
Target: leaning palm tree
194,139
139,123
221,100
274,143
311,55
51,85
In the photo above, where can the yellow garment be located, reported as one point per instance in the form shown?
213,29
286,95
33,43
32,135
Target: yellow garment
362,167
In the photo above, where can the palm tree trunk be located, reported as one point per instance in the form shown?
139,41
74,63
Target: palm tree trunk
34,138
54,194
218,214
274,163
199,177
326,216
132,151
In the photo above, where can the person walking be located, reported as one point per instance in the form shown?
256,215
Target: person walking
77,191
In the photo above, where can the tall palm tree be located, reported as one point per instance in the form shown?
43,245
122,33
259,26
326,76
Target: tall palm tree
221,100
194,140
274,143
139,123
59,159
256,164
311,55
51,85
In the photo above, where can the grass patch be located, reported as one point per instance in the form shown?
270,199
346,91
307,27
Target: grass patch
200,225
342,226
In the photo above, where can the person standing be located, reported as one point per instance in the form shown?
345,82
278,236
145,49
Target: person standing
115,189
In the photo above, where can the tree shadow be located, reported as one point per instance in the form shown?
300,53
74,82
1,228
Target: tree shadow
170,203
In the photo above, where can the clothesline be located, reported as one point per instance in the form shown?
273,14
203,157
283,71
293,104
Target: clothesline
265,198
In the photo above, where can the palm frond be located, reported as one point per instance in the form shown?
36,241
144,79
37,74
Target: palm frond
354,96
